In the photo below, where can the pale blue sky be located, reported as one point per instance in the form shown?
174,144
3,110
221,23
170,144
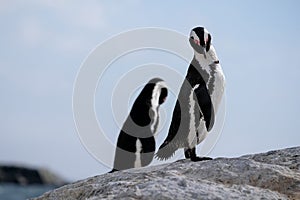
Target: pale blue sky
43,45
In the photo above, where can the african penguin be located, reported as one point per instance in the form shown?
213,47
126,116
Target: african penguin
198,100
136,143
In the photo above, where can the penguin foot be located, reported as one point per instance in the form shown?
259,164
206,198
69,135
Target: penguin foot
191,154
196,159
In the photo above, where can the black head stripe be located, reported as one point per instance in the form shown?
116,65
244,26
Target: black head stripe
163,95
208,43
200,33
201,37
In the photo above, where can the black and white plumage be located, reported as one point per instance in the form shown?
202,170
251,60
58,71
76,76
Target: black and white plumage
198,99
136,143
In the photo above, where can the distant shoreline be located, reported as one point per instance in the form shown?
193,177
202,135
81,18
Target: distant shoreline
23,176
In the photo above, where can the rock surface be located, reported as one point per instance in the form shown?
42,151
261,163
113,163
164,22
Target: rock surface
271,175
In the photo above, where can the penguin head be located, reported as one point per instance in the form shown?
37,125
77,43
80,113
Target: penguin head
159,91
200,40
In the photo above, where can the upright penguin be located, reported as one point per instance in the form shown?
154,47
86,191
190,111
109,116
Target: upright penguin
136,143
198,99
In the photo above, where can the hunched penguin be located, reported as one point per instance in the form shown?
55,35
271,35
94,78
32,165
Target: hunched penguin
136,142
198,100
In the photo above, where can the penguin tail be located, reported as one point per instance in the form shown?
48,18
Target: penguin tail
166,151
113,170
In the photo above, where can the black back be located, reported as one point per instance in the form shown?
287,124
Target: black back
137,127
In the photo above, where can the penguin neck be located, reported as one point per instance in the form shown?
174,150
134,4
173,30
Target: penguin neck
202,60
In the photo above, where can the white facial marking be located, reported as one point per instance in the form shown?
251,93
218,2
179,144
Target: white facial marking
155,102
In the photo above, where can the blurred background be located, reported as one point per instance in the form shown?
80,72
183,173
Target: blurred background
43,44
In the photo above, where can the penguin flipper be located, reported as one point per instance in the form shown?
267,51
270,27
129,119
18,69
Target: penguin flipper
206,106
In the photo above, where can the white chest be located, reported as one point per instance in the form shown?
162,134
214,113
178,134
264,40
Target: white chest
215,79
217,90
